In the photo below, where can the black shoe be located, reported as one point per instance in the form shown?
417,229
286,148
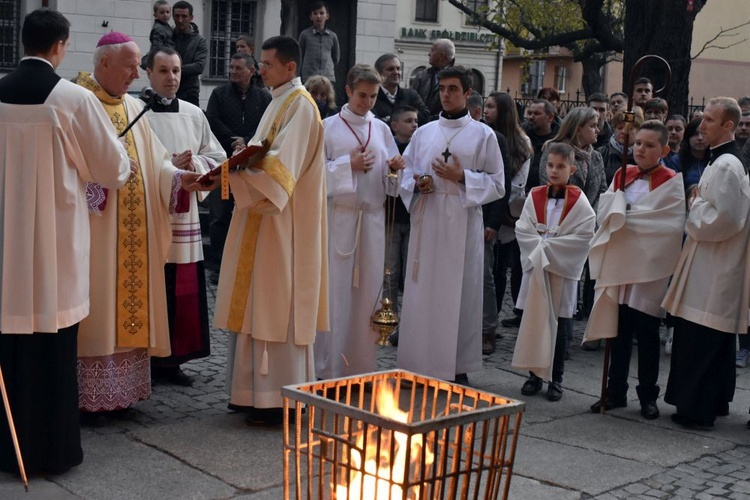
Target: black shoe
689,423
649,410
461,378
609,404
513,322
532,385
554,391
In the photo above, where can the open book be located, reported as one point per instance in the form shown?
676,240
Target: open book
246,158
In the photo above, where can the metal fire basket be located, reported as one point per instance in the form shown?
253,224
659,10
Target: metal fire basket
436,440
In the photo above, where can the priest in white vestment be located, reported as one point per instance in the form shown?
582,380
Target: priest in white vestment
184,131
441,315
55,137
273,286
128,320
360,153
710,290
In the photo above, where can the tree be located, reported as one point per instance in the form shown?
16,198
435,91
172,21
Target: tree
631,27
528,24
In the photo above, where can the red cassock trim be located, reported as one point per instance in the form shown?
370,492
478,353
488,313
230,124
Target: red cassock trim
656,177
539,198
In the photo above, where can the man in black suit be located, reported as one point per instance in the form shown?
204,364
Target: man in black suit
391,95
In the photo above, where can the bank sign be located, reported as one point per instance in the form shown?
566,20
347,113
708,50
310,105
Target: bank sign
456,36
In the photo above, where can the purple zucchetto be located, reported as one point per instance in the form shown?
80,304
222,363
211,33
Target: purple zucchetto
114,38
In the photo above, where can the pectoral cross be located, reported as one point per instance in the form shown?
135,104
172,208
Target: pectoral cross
446,154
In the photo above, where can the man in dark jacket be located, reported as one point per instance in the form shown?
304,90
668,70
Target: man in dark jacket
234,111
540,126
442,55
391,95
192,49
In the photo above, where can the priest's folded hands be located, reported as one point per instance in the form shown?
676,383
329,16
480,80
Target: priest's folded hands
449,171
184,160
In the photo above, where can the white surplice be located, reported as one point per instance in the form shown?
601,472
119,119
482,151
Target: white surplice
711,283
552,263
634,251
44,166
188,129
441,316
288,296
356,243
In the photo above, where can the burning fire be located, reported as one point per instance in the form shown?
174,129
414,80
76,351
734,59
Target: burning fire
377,469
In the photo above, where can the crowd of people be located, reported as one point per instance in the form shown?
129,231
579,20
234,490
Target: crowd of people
431,196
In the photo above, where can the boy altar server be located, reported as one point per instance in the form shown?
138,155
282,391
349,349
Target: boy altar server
360,150
553,234
453,167
633,254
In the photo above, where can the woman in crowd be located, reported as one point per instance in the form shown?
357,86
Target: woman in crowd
693,156
579,129
612,152
322,92
501,114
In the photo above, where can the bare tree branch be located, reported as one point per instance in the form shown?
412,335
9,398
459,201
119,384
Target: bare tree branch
723,33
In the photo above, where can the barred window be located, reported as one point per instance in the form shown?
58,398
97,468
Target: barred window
10,21
478,6
229,19
426,11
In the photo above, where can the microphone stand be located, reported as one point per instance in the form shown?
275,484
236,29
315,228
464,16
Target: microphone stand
130,125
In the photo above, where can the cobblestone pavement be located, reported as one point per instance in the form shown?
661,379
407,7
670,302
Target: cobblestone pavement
704,464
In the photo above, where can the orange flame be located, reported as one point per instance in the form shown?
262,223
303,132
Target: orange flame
377,482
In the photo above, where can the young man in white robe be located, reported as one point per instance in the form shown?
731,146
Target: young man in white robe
128,320
273,288
633,255
553,233
710,291
184,131
56,137
453,167
361,155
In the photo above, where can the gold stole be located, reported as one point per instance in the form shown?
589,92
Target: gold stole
132,300
272,166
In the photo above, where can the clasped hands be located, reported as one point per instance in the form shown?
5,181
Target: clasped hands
448,171
362,160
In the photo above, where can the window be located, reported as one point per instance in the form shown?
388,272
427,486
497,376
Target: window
426,11
477,81
561,77
10,21
229,19
534,78
478,6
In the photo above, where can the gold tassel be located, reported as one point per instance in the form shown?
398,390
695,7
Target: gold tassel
415,270
264,360
355,277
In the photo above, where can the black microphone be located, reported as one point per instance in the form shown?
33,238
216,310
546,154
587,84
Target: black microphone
150,95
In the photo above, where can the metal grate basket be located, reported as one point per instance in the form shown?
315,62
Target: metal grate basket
397,435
